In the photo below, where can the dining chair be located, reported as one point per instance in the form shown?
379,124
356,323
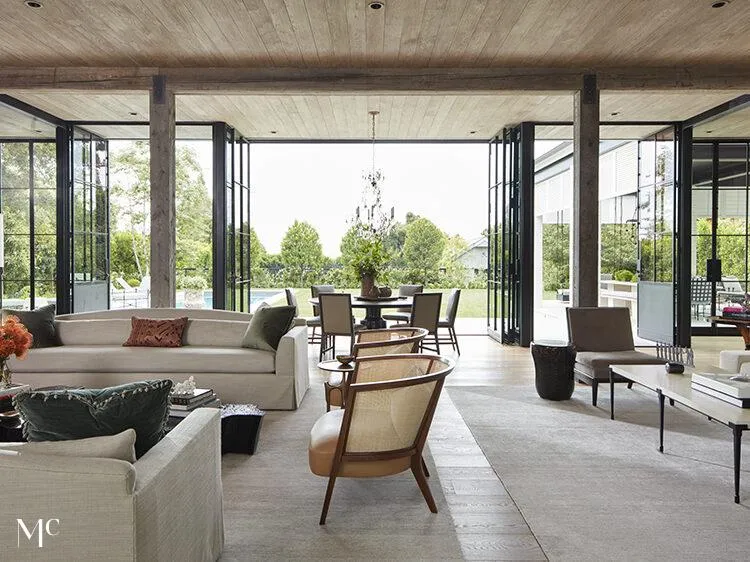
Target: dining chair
425,313
314,322
335,320
402,315
449,322
388,341
390,401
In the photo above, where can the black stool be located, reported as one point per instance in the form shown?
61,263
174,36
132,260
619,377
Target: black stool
553,362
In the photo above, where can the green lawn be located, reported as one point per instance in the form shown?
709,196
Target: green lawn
473,302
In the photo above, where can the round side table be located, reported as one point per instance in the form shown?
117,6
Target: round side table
553,362
335,386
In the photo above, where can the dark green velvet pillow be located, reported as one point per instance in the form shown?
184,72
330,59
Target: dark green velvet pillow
57,415
267,326
40,322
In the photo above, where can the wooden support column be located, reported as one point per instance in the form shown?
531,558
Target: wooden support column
163,200
585,263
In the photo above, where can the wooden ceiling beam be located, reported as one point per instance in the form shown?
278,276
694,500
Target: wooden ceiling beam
375,81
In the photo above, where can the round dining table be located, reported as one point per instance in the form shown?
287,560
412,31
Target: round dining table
373,319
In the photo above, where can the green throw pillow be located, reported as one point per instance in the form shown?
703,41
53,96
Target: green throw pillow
267,326
40,322
56,415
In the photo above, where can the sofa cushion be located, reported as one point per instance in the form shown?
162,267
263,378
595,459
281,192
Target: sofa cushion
596,363
267,326
120,446
119,359
94,332
149,332
214,333
39,322
56,415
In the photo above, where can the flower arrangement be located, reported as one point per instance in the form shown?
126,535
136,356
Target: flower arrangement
16,340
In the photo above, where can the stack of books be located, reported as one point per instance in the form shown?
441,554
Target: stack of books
182,404
732,391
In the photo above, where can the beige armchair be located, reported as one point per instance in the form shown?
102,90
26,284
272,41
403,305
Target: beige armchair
602,337
382,431
388,341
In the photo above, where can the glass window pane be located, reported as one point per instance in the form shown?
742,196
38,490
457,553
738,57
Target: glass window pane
732,251
17,256
45,166
45,250
15,169
16,211
45,211
647,154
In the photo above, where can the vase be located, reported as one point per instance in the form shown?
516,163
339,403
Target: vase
368,284
6,377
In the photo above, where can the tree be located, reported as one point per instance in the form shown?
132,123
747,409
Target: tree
555,256
454,274
258,257
301,252
423,249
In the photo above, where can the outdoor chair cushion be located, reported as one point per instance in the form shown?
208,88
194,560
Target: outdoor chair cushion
596,363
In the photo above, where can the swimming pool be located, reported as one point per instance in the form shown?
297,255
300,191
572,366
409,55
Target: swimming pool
257,296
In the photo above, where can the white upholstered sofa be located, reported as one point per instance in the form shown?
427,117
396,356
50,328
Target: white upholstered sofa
92,355
166,506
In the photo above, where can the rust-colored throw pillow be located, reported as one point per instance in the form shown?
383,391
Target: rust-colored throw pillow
150,332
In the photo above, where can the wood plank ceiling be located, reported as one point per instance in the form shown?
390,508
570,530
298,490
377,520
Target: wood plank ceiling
347,33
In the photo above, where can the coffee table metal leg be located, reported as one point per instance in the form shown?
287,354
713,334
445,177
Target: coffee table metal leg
737,433
611,395
661,420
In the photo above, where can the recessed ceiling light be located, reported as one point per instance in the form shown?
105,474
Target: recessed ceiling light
376,5
273,132
615,113
37,130
472,132
720,4
133,113
709,132
33,4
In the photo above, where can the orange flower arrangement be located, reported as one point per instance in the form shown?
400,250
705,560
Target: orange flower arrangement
15,339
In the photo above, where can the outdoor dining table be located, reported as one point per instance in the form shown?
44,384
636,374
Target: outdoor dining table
373,319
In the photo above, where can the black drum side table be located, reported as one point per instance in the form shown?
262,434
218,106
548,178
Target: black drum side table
553,362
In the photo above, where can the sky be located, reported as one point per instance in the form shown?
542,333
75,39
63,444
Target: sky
322,184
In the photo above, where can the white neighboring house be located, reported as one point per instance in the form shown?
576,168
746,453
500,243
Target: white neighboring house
474,258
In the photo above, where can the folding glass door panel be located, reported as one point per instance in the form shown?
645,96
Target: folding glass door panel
27,201
89,221
658,191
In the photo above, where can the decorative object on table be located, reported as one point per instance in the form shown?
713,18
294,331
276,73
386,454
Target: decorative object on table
40,323
674,368
345,359
363,248
16,340
76,414
184,388
240,428
553,363
182,405
736,310
724,387
384,292
675,354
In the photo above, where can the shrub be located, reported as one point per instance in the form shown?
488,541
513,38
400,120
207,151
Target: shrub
625,275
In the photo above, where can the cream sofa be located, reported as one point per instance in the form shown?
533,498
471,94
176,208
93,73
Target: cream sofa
735,361
92,355
166,506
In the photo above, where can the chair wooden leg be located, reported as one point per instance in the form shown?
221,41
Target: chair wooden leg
437,343
327,501
424,467
630,384
424,487
455,339
594,391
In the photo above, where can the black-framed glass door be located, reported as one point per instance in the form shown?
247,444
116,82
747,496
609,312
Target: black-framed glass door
89,220
510,260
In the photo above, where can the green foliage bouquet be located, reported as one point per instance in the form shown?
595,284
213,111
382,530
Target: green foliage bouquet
363,249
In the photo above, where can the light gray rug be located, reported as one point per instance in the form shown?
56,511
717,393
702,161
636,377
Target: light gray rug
595,489
272,504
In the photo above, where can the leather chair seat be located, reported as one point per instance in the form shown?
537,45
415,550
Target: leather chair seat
324,438
397,316
596,363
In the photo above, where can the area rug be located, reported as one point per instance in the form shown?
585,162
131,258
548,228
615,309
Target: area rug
595,489
272,504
